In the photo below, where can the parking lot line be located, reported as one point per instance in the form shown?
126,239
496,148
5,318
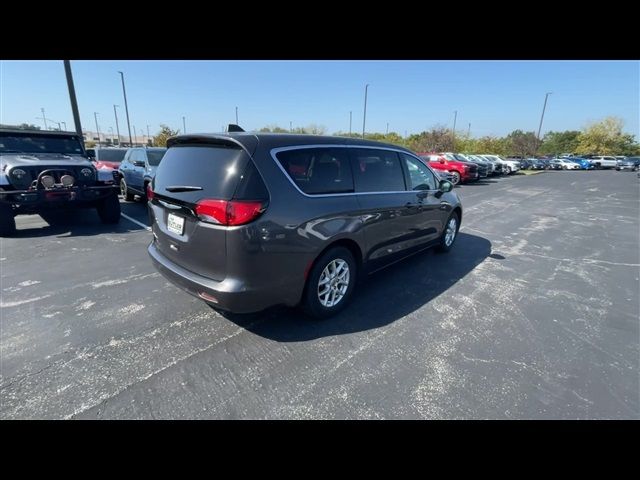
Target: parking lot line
136,221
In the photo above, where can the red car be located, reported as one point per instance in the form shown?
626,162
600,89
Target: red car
460,172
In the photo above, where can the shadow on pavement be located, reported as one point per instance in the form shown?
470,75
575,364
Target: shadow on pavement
80,222
381,299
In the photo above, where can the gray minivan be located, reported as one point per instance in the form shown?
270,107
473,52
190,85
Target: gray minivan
246,221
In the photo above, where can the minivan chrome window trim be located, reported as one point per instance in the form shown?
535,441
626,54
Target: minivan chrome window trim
275,151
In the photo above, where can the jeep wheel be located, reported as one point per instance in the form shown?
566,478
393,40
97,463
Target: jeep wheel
109,209
7,220
330,283
124,191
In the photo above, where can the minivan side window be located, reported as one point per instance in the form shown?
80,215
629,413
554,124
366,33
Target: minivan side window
420,177
376,170
318,171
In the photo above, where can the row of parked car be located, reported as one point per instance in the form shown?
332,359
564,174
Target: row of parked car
571,162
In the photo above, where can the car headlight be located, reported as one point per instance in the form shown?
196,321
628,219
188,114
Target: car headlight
18,173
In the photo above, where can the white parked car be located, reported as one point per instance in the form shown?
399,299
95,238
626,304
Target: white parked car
567,164
508,166
604,161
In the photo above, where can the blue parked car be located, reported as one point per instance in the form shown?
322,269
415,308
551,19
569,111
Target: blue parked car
138,169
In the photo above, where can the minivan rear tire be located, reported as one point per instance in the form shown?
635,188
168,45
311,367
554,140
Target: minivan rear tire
332,258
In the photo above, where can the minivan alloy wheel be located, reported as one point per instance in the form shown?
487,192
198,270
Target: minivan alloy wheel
450,234
333,283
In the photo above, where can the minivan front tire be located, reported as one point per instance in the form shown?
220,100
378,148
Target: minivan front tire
330,283
449,234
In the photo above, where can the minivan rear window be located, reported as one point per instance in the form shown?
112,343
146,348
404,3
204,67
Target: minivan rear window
318,170
216,169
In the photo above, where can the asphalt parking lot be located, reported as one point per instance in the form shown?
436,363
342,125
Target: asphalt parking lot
533,315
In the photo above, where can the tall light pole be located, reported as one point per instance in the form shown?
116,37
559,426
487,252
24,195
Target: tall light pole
290,127
44,119
134,133
237,116
350,118
387,129
72,98
111,130
95,115
364,117
117,127
126,107
542,116
469,130
148,136
453,141
184,125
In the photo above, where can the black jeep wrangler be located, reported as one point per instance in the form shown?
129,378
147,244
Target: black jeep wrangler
44,170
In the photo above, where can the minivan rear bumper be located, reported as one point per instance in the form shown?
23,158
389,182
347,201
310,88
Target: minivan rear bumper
229,294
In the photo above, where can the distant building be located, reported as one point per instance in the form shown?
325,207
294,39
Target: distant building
109,139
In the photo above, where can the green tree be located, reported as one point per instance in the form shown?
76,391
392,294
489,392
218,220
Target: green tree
522,143
492,145
559,142
160,139
606,138
438,139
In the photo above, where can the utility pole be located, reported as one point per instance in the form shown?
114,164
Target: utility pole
364,117
237,116
290,127
149,136
469,130
126,107
184,125
44,119
350,117
134,133
95,115
72,97
117,127
541,117
387,129
453,142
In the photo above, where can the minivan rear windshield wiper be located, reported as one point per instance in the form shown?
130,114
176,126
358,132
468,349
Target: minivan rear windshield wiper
182,188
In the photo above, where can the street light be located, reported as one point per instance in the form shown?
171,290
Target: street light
542,116
453,141
237,116
117,127
95,115
44,119
364,117
184,125
148,136
387,129
350,112
126,107
290,127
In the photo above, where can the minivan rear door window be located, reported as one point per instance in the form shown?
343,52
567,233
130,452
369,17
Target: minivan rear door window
377,170
318,171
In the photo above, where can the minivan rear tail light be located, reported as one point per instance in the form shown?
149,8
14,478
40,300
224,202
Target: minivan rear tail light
150,193
229,212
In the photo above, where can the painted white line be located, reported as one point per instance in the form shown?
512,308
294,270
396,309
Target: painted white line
136,221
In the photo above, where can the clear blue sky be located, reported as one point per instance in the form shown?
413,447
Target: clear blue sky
496,97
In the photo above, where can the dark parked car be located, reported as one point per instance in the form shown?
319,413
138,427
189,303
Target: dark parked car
246,221
45,170
537,164
137,170
629,163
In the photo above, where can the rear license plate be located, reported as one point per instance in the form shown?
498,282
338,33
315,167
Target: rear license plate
175,224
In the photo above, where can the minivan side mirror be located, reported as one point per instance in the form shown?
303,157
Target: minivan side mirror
445,186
